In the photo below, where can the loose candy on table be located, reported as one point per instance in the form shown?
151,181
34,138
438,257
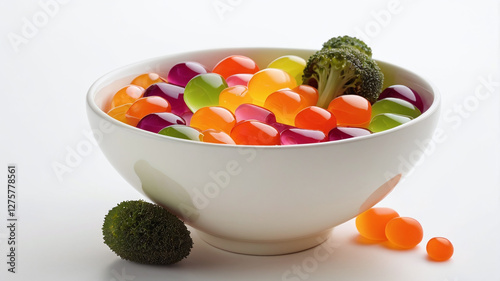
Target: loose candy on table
405,93
233,96
147,79
308,92
182,132
213,117
268,81
404,232
204,90
301,136
285,104
216,136
172,93
248,111
119,112
386,121
315,118
240,79
351,111
341,133
154,122
127,94
293,65
371,223
395,106
255,133
235,64
182,72
145,106
439,249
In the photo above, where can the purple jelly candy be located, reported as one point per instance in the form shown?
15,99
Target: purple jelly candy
404,93
248,111
154,122
181,73
340,133
301,136
238,79
172,93
280,126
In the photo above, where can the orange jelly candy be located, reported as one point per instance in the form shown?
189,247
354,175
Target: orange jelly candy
315,118
145,106
351,111
285,104
147,79
404,232
268,81
213,117
119,112
308,92
127,94
215,136
234,96
371,223
255,133
235,64
439,249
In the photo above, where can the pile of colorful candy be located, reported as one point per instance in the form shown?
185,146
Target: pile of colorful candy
239,103
385,224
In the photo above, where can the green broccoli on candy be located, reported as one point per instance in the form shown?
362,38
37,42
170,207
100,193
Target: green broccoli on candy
146,233
343,66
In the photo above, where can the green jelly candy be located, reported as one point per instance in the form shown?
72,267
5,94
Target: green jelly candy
386,121
293,65
203,90
395,106
182,132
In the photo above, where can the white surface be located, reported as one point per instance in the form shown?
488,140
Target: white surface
453,192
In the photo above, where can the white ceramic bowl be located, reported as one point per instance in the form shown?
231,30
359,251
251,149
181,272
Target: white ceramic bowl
260,200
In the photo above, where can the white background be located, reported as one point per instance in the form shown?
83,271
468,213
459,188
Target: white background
51,53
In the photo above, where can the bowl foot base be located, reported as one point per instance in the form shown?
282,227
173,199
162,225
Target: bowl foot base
263,247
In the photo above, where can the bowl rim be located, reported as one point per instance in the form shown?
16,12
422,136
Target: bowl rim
102,81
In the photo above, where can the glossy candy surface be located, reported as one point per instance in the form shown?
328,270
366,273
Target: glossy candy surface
154,122
119,112
405,93
216,136
351,111
315,118
371,223
147,79
232,97
395,106
308,92
301,136
341,133
404,232
248,111
293,65
182,132
255,133
181,73
204,90
145,106
235,64
213,117
268,81
127,94
238,79
439,249
285,104
172,93
386,121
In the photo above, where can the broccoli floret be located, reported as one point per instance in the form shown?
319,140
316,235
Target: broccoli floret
348,41
146,233
340,71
